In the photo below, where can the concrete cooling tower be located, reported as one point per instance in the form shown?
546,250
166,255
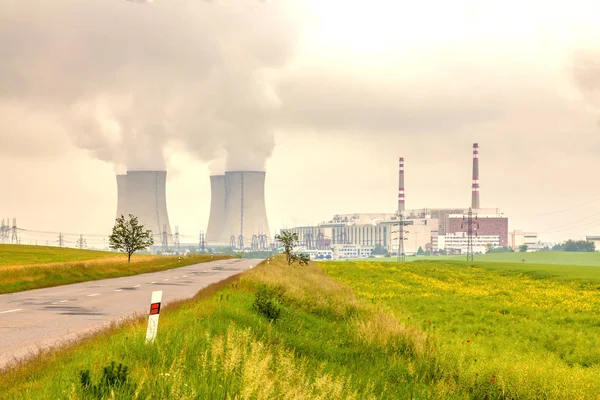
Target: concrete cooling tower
143,194
245,210
122,195
216,221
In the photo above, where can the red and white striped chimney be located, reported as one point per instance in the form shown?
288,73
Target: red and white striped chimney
401,187
475,186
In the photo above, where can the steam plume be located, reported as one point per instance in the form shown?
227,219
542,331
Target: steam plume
127,80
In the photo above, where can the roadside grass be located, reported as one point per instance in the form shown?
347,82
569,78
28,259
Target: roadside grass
26,277
538,257
16,254
327,344
501,331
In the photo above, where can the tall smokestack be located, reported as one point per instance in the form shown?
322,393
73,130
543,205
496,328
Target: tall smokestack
475,186
216,221
147,200
122,207
401,187
245,210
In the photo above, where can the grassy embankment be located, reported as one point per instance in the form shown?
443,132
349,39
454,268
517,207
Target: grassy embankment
539,257
32,267
511,330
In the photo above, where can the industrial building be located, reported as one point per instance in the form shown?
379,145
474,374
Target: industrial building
484,225
595,239
346,230
458,243
421,227
519,238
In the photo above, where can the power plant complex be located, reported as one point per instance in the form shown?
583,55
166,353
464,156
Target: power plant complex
238,219
454,230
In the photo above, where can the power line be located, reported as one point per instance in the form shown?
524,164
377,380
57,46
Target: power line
572,223
570,230
558,211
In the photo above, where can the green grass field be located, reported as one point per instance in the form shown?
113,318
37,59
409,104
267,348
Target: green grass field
358,330
13,255
32,267
521,331
540,257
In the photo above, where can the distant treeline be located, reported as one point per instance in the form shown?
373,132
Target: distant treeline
575,245
502,249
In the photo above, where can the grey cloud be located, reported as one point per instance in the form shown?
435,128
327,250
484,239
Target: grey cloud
125,80
456,97
360,103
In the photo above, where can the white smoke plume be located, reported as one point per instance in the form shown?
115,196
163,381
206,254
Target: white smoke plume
127,80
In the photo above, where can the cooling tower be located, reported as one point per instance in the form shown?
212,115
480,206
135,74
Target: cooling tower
122,208
216,221
245,210
146,198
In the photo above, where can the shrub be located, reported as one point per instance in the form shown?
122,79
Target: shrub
267,302
112,379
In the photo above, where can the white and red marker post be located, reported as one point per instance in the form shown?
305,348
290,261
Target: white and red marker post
153,318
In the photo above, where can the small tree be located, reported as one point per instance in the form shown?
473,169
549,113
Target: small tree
289,241
523,248
129,236
488,247
420,252
379,250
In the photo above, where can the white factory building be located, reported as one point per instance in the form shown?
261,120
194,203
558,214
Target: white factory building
343,251
519,238
365,231
338,252
595,239
458,242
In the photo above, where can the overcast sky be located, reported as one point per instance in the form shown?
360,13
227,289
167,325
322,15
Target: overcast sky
324,94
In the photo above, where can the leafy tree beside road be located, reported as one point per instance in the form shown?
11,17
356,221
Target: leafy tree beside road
128,236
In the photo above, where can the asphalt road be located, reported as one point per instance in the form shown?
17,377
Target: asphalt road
43,318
